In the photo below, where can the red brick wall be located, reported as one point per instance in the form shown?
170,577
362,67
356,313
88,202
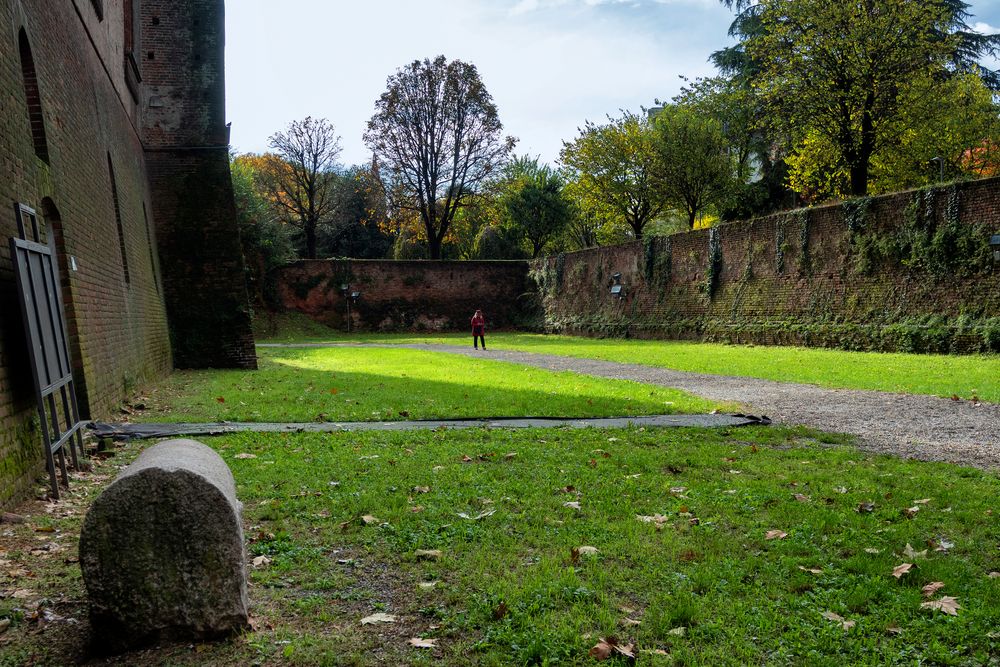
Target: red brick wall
408,295
832,299
119,330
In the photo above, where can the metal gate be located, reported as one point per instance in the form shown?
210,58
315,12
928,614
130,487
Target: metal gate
37,276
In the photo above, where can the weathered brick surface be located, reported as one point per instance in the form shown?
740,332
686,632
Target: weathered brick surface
408,295
91,112
828,300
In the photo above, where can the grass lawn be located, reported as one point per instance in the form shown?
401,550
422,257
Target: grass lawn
966,376
370,384
699,583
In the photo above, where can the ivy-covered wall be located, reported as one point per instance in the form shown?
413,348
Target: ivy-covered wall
911,271
409,295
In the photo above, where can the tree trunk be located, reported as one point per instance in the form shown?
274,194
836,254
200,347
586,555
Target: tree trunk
691,216
310,231
434,247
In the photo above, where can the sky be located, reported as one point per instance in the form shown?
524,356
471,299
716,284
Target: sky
550,65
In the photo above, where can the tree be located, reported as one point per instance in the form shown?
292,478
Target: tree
615,168
534,203
438,132
264,238
299,176
693,160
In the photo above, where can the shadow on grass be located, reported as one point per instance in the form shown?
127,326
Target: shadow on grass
291,387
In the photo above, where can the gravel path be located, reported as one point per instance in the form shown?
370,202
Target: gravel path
920,427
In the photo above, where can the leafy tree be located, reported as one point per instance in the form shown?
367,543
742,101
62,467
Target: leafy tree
614,166
264,238
357,227
534,203
299,176
438,132
694,164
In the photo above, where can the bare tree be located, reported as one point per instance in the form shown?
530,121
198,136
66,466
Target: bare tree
438,133
300,176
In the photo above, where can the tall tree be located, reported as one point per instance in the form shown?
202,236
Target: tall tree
534,202
694,163
837,70
614,166
438,132
300,176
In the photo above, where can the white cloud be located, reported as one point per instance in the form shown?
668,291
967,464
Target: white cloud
985,28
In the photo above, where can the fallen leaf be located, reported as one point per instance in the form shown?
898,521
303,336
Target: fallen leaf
378,618
572,505
775,535
911,512
901,570
993,575
369,520
4,624
22,594
421,489
922,501
657,519
676,490
428,554
946,604
481,515
811,570
932,588
417,642
245,455
801,498
605,648
866,508
872,550
220,399
678,632
908,552
427,585
840,489
944,545
466,458
601,651
510,456
587,551
630,621
260,561
893,629
832,616
417,508
501,611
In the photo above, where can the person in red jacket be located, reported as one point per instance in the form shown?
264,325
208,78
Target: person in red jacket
478,329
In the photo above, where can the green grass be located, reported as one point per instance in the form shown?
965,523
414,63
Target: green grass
366,384
508,591
966,376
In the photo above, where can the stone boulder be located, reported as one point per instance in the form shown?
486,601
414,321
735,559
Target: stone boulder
162,550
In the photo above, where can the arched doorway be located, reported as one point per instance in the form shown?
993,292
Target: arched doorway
67,265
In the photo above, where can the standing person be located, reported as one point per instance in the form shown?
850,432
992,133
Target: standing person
478,329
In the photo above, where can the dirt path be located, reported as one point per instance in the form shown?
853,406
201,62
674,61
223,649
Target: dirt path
922,427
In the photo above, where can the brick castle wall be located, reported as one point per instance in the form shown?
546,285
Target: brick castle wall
408,295
118,328
827,276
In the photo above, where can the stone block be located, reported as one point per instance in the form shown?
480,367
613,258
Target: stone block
162,550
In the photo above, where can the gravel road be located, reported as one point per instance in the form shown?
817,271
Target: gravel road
920,427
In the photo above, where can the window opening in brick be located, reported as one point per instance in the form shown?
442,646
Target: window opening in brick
118,221
149,242
34,98
54,223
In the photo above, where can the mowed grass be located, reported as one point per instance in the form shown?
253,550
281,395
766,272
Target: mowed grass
336,524
371,384
966,376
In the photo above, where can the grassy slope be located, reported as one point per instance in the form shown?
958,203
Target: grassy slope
507,590
359,384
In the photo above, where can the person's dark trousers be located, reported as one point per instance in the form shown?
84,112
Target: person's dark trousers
476,339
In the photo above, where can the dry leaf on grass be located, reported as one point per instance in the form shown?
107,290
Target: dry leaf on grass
946,604
378,618
421,489
775,535
932,588
22,594
427,585
911,512
369,520
833,616
575,505
677,490
865,508
901,570
801,497
657,519
993,575
811,570
428,554
587,551
417,642
260,561
909,552
942,544
477,517
606,648
922,501
245,455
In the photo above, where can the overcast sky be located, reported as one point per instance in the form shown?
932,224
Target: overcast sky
549,64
